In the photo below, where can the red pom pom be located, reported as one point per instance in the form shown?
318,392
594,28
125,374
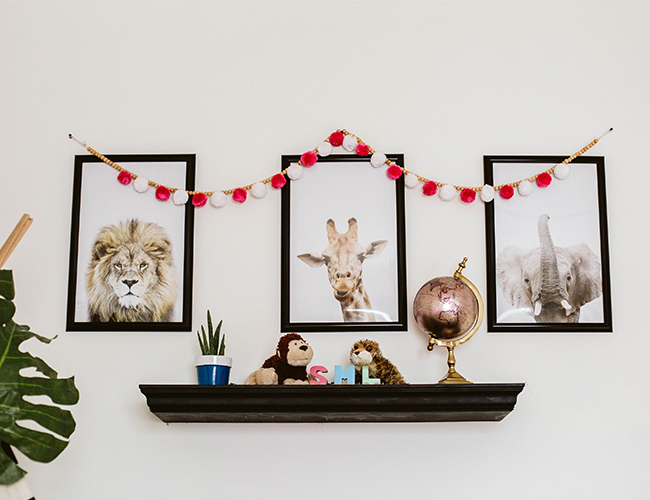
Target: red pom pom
239,195
199,199
308,159
429,188
162,193
544,179
124,177
336,139
394,172
278,181
507,192
468,195
363,149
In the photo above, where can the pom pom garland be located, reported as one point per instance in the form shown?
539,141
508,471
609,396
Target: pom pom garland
218,199
336,138
468,195
363,149
378,159
162,193
411,180
394,172
544,179
258,190
429,188
278,181
447,192
525,188
487,193
141,185
561,171
507,192
124,177
239,195
308,159
324,149
350,143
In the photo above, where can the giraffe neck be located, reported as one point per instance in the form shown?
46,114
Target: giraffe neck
355,305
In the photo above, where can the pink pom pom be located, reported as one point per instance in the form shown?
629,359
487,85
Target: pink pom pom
124,177
308,159
239,195
278,181
394,172
468,195
429,188
162,193
363,149
199,199
507,192
336,139
544,179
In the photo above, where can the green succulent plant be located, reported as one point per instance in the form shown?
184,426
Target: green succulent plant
210,341
36,445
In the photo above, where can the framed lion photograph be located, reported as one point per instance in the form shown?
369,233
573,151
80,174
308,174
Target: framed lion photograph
131,247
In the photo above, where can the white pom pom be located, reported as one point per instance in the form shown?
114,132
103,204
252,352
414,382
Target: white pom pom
378,159
525,188
487,193
258,190
350,143
180,197
141,185
411,180
561,171
447,192
294,172
324,149
218,199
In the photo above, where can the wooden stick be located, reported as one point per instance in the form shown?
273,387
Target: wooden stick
14,238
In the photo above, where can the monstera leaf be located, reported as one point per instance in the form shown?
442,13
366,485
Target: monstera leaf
37,445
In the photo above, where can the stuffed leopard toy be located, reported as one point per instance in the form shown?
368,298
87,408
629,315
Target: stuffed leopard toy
367,353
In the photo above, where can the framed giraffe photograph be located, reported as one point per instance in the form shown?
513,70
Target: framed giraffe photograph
343,264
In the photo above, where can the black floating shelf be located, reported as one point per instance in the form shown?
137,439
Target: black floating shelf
332,403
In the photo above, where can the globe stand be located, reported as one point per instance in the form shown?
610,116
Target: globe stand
452,377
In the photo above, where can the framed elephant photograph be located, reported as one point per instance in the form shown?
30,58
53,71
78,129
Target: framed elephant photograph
547,247
131,251
343,265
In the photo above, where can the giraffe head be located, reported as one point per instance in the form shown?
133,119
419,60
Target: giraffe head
344,258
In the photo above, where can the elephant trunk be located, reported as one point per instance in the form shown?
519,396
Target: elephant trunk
551,287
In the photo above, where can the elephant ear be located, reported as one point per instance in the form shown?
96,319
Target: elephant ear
587,274
510,275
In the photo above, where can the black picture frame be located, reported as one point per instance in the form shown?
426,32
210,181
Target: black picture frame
342,187
577,211
99,200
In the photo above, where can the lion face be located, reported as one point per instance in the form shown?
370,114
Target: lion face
130,276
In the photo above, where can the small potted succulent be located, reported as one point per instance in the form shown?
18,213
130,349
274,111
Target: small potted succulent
212,367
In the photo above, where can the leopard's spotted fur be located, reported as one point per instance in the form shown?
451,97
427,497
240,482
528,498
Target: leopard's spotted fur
367,353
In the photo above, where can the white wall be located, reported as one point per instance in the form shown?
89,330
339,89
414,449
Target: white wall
241,84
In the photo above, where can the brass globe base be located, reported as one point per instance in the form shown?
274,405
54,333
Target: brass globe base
452,377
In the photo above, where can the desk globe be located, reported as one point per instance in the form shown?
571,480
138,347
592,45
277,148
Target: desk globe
450,310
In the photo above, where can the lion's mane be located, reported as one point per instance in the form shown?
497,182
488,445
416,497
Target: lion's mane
130,276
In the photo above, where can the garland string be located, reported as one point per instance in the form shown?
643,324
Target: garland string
350,143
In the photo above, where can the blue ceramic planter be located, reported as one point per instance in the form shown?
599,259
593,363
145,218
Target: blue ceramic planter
213,370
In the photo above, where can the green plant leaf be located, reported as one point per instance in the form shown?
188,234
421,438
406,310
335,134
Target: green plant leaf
34,444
